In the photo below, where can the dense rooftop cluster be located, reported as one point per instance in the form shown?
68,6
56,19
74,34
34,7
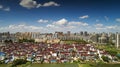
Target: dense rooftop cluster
51,52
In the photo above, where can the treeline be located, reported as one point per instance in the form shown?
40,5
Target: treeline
75,41
26,40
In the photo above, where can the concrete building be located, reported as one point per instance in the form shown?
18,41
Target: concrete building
117,40
81,33
68,33
103,39
112,37
94,38
85,33
7,36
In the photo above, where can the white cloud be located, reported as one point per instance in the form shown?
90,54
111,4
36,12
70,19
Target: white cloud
104,28
50,26
114,27
61,25
77,23
33,4
53,28
85,24
84,17
100,28
98,25
51,3
111,27
3,8
61,22
39,5
6,9
22,28
65,25
118,19
43,21
28,3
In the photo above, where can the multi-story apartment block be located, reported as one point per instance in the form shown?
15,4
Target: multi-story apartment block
101,38
7,36
118,40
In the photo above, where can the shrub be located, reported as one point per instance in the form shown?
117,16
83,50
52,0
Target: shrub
18,62
112,52
105,58
118,56
1,62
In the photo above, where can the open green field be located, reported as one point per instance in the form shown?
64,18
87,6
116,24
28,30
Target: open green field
54,65
65,65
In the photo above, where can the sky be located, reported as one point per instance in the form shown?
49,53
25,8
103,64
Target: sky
59,15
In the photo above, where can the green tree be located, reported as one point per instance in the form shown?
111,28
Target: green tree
6,41
105,58
112,52
26,40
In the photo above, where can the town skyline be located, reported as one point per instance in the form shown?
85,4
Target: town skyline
59,15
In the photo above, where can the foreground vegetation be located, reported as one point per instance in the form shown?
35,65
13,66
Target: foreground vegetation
64,65
24,63
75,41
111,49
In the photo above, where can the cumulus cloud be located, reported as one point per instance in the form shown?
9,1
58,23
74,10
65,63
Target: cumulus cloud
118,19
43,21
33,4
61,22
51,3
84,17
28,3
65,25
3,8
39,5
64,22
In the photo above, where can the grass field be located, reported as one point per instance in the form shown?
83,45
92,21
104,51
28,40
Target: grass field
55,65
45,65
65,65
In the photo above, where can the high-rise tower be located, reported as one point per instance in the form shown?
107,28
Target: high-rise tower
117,40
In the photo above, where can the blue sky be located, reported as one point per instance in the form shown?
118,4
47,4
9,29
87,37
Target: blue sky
59,15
